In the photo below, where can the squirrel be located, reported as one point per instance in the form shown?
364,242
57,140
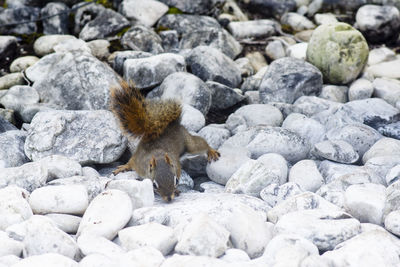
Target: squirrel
163,138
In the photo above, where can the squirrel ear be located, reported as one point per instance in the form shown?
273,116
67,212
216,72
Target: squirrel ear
167,159
152,162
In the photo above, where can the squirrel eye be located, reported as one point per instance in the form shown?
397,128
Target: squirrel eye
155,184
175,180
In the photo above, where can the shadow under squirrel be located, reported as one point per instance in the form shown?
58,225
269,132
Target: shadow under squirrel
163,138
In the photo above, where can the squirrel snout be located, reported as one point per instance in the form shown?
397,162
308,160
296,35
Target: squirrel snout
168,198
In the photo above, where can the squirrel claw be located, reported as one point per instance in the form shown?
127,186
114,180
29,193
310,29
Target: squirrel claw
212,155
122,168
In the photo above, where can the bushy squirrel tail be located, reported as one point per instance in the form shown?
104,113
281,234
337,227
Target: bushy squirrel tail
142,117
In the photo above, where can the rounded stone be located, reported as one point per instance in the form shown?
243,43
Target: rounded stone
339,51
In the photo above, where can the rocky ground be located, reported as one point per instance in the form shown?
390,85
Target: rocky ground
301,98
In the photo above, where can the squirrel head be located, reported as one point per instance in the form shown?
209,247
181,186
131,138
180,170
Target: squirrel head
164,177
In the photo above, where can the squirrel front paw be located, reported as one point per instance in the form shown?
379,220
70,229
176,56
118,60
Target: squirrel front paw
212,155
122,168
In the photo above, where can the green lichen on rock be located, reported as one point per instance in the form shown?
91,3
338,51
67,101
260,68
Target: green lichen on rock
339,51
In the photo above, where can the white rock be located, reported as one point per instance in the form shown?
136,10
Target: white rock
387,89
203,237
296,22
304,201
10,246
47,260
144,257
389,69
99,48
393,175
192,119
275,50
381,54
336,150
22,63
366,202
297,50
40,235
99,260
29,176
9,260
275,194
276,164
251,178
102,218
325,228
307,128
89,244
152,234
195,261
73,45
147,12
45,44
212,187
235,255
383,147
289,250
335,93
368,249
60,167
380,166
252,28
67,223
360,89
140,192
392,222
14,207
306,174
229,162
70,199
325,18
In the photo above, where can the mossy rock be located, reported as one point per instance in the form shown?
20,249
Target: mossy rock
339,51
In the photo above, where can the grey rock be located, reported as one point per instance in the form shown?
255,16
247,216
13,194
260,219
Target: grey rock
210,64
324,228
392,198
336,150
391,130
94,185
312,105
366,202
22,63
366,249
306,174
44,45
99,48
211,187
334,93
85,86
229,162
380,166
214,37
253,115
151,71
253,97
40,235
9,80
387,89
56,24
331,170
214,134
29,176
101,218
360,89
8,48
223,96
360,136
12,149
188,23
275,49
245,66
197,7
188,89
275,194
141,38
253,28
119,58
287,79
170,40
308,128
271,7
378,23
5,125
14,207
16,16
193,241
63,132
260,140
106,23
296,22
143,11
85,14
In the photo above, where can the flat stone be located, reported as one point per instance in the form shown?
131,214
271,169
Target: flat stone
389,69
67,223
306,174
9,80
146,12
22,63
29,176
253,28
387,89
360,89
89,244
275,194
141,38
308,128
380,54
47,260
184,23
44,45
12,153
336,150
383,147
296,22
